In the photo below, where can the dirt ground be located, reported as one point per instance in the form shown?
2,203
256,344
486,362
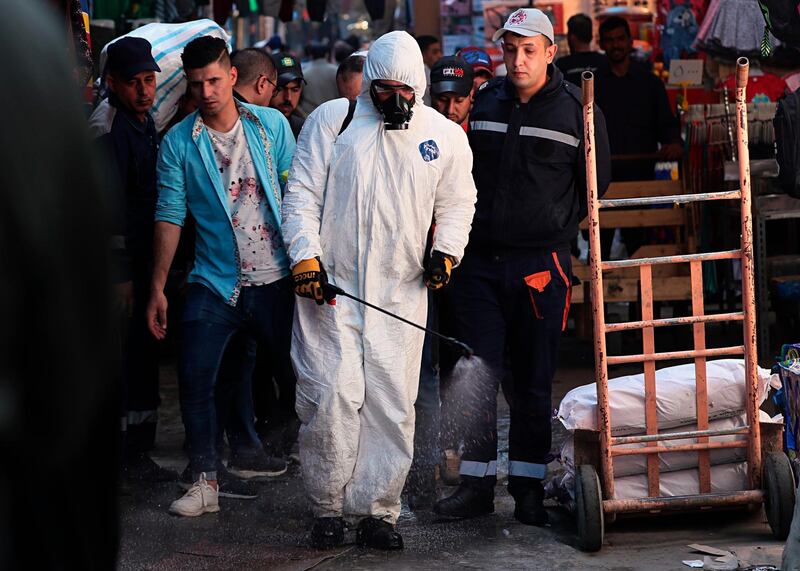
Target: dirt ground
271,532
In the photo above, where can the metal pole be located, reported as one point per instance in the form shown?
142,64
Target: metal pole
748,278
683,502
465,349
600,366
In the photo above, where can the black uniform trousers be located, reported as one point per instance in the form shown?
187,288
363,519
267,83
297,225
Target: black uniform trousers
140,387
517,301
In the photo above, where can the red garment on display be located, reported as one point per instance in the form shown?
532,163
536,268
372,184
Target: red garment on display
768,84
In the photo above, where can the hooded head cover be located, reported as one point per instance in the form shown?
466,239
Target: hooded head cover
395,56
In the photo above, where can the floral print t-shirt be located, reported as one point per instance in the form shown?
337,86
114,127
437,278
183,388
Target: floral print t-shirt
262,257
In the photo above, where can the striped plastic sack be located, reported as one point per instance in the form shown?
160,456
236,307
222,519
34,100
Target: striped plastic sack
168,41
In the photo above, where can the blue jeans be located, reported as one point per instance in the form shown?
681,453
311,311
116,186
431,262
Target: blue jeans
209,324
235,409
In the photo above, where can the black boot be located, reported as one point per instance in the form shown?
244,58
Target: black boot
421,488
378,534
327,533
529,507
468,500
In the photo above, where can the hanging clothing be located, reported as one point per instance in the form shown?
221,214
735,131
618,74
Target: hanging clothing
760,87
316,10
375,8
270,8
733,27
286,10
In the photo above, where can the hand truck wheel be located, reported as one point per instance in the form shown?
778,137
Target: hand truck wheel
589,508
778,493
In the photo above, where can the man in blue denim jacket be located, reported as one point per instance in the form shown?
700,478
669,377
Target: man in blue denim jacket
227,163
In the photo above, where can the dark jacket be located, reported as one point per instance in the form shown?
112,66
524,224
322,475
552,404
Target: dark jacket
132,148
573,65
639,118
296,122
529,165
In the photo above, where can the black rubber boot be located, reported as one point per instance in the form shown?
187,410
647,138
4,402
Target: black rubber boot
421,488
327,533
529,507
378,534
467,501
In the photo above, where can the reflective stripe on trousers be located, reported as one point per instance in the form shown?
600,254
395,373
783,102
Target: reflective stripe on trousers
478,469
527,469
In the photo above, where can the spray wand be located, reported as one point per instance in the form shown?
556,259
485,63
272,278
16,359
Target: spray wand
462,347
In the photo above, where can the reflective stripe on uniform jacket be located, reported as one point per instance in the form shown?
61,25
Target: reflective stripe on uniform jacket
529,165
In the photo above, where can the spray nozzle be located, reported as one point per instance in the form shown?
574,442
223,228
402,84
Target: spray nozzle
463,348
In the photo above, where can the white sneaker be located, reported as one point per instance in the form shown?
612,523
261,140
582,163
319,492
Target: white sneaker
201,498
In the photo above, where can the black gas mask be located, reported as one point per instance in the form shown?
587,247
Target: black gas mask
396,110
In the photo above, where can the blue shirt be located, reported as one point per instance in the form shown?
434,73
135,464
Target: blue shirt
188,177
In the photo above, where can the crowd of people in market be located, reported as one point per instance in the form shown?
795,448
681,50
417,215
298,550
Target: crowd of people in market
430,185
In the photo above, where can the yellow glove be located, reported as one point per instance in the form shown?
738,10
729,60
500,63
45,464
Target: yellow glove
309,277
437,270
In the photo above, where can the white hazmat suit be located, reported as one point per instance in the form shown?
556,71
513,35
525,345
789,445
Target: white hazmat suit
363,202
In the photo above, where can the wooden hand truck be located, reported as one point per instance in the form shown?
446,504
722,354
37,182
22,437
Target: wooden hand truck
770,478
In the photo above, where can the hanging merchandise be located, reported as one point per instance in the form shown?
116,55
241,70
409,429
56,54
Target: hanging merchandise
733,28
761,87
706,133
166,10
107,9
680,32
270,8
222,11
80,38
782,18
247,7
455,23
375,8
286,12
316,10
787,138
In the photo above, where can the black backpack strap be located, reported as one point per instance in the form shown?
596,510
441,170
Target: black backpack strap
349,117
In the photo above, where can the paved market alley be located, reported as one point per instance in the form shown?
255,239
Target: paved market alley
271,532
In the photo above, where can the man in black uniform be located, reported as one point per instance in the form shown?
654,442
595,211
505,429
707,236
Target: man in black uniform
125,132
513,287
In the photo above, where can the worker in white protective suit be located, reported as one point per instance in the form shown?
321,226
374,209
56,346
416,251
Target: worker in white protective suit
359,205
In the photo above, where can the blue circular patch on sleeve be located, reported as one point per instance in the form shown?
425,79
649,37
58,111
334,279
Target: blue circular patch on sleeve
429,150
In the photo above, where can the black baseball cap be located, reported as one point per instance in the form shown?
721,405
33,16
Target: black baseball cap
451,74
128,56
288,68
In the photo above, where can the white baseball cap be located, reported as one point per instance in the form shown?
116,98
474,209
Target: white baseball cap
527,22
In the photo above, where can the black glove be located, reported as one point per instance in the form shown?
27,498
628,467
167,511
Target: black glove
437,270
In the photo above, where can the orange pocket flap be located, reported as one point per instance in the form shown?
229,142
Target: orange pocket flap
538,281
